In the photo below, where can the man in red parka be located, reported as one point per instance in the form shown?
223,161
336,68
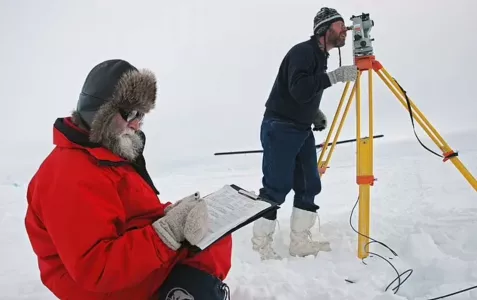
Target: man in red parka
94,218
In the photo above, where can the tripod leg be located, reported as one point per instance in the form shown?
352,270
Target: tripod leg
323,164
448,153
365,178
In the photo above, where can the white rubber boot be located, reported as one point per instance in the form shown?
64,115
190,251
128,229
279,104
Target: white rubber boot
301,243
263,230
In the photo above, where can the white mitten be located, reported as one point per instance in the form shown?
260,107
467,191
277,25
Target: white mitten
185,220
194,196
343,74
196,225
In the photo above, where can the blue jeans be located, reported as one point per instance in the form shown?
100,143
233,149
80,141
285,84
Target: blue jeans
289,162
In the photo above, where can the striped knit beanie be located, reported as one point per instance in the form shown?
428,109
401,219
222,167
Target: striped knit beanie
323,19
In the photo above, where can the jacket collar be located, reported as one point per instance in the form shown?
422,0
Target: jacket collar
314,43
68,135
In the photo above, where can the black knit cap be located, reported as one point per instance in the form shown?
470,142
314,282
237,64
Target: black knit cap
99,87
323,20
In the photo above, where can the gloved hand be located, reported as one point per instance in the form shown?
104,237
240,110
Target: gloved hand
320,122
185,220
195,196
343,74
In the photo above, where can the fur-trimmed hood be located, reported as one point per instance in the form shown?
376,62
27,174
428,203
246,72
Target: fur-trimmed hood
110,87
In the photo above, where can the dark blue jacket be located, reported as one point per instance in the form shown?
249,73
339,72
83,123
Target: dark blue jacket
296,93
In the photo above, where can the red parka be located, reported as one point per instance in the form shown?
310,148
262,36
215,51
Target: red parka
89,222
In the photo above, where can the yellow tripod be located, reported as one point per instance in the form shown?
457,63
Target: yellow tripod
365,177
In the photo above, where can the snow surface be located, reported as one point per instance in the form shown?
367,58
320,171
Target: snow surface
422,208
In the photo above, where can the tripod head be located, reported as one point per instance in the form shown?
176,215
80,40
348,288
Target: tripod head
362,41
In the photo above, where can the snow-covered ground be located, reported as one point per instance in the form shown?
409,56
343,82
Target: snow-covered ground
422,208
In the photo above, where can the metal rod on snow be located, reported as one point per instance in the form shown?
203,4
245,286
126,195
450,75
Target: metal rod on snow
317,146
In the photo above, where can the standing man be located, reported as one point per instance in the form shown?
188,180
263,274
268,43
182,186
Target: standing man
289,157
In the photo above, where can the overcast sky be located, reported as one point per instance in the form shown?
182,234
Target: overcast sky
216,61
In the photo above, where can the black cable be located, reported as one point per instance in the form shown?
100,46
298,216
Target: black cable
398,278
447,156
455,293
395,289
410,271
408,102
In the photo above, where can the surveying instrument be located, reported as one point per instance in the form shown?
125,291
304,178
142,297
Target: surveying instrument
365,60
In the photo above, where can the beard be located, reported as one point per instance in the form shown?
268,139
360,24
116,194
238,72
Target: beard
130,144
127,144
334,39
